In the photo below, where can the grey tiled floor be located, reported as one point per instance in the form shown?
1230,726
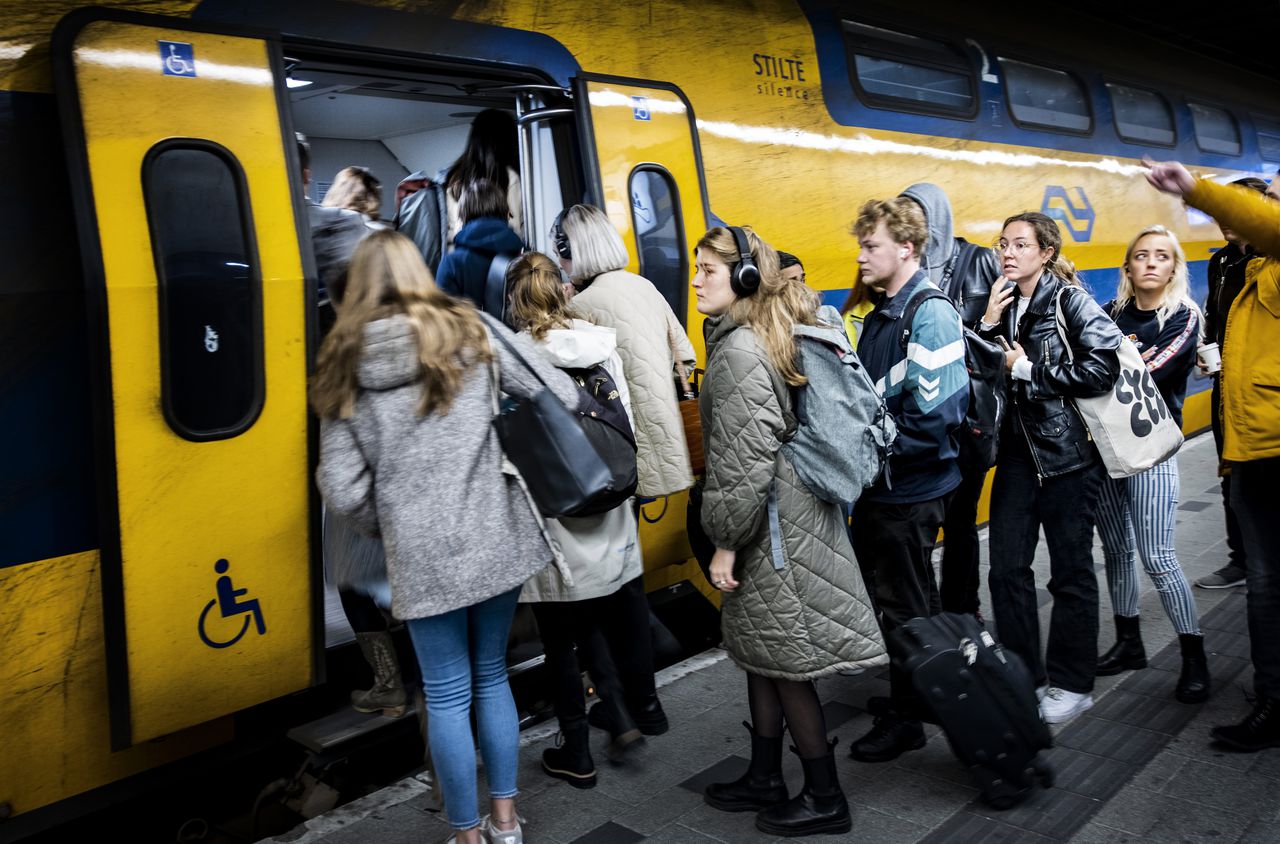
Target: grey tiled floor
1138,767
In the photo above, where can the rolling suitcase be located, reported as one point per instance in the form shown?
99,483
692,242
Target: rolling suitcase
984,697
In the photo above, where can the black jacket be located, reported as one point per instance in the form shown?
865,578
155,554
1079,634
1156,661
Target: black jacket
969,278
1226,280
1042,414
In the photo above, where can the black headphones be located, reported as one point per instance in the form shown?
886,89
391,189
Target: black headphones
745,279
561,239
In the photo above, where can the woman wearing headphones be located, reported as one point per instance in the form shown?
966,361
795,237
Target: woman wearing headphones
794,606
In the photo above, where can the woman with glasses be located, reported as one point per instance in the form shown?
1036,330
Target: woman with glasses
1049,473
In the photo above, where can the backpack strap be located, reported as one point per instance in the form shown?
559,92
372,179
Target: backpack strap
908,319
495,286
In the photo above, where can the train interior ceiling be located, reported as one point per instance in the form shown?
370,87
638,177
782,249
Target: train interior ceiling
396,122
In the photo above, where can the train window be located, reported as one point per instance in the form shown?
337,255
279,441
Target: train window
1046,98
1142,116
1268,139
1216,129
905,72
209,289
655,215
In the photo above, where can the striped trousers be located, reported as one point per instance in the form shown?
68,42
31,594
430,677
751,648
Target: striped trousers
1139,512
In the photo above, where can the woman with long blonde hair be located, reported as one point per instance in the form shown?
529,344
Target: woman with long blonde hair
405,390
356,189
1154,308
794,606
606,597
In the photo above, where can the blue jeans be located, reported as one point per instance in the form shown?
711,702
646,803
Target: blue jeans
1141,511
463,654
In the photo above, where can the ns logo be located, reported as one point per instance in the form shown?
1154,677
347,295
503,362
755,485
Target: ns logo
1071,208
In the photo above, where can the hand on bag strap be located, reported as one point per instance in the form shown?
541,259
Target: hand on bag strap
685,389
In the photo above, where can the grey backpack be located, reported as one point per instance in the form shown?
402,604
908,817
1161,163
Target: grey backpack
424,219
843,432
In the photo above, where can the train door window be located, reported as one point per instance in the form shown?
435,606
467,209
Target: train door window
1216,129
1142,117
655,218
905,72
1268,139
1044,98
209,288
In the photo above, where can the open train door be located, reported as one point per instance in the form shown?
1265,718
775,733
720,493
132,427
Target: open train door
642,156
180,159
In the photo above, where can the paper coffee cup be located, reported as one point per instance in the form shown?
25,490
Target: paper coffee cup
1210,357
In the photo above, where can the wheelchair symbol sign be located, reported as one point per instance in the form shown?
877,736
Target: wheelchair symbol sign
177,58
640,108
217,635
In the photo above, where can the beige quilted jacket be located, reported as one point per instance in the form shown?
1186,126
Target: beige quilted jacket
801,611
633,307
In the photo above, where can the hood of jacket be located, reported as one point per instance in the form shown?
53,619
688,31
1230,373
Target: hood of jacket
489,234
390,355
937,213
583,345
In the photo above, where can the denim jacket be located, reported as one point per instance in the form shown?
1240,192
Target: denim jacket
1041,408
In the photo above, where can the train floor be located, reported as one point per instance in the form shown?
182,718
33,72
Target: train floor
1137,767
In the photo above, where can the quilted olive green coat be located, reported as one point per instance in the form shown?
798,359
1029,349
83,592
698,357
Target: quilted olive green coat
801,611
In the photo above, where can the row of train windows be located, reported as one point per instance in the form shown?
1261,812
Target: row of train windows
909,73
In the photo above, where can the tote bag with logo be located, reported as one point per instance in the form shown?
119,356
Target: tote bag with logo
1130,424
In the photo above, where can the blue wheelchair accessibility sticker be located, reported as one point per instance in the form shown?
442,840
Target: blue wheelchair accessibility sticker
229,605
640,108
177,58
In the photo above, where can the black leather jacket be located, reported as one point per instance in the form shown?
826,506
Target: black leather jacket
1040,409
969,278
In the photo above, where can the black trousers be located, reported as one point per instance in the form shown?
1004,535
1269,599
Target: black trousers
1235,540
1064,506
960,577
622,619
1258,508
894,545
363,613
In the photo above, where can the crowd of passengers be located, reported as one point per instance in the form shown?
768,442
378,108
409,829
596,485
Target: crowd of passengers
428,523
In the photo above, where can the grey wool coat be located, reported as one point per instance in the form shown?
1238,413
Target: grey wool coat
801,610
457,526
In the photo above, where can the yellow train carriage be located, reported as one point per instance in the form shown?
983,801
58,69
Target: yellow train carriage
151,149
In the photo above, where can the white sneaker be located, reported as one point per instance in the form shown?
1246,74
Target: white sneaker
1060,706
1040,692
493,835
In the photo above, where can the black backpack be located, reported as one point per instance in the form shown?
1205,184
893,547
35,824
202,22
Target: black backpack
979,437
604,421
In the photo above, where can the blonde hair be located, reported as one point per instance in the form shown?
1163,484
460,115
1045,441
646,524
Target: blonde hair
1176,293
774,308
388,278
594,243
902,218
538,303
355,189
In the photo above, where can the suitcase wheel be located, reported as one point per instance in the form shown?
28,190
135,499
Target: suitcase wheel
1043,772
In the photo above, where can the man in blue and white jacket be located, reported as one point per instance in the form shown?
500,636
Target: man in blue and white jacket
926,387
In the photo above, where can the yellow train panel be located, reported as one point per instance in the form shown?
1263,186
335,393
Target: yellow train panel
53,721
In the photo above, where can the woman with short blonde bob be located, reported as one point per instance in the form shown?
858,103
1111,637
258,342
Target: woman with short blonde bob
1153,307
794,605
355,189
602,551
405,392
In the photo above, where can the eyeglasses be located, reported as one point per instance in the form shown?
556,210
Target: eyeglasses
1018,247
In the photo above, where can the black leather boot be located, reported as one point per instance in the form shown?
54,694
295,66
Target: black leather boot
570,759
649,716
1193,682
819,807
1127,654
1257,732
760,787
890,736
